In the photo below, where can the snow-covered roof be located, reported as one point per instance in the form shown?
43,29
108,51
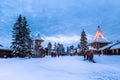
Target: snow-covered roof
5,48
116,46
106,46
1,48
1,45
91,48
38,37
100,40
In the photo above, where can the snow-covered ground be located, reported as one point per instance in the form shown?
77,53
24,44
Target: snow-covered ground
62,68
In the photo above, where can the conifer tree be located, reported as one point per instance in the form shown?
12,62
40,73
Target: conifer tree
49,47
83,42
68,50
28,38
60,49
21,41
78,46
55,47
71,50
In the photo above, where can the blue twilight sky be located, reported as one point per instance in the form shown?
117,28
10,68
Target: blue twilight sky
61,20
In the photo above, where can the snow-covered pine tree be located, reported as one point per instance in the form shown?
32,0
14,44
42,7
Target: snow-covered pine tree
21,40
49,48
83,42
71,50
55,47
78,46
68,50
60,49
28,38
15,36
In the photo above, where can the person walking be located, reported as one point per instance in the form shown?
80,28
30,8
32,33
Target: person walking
91,58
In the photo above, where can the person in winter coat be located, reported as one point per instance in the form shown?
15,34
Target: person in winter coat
91,58
88,55
85,55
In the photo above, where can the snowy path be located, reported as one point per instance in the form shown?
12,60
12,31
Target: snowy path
62,68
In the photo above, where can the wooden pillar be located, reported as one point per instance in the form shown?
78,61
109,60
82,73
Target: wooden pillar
113,51
117,51
102,52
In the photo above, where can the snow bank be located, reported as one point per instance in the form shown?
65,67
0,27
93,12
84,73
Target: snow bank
62,68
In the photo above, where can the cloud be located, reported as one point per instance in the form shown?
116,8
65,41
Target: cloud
66,40
63,38
59,19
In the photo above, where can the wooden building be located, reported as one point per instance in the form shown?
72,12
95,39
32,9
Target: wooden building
5,53
115,49
38,49
103,46
99,40
111,49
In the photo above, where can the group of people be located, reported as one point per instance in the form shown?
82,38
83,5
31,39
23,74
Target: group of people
89,56
54,54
